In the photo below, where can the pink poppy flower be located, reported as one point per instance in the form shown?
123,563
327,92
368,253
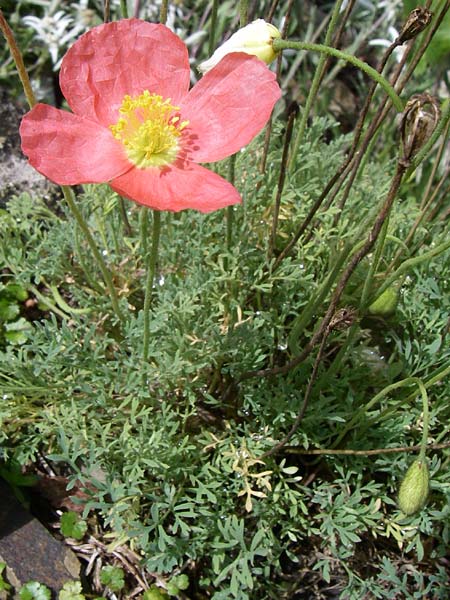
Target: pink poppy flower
136,125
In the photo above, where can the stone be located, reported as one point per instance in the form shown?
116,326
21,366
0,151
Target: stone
29,551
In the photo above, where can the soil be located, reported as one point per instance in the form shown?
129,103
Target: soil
16,175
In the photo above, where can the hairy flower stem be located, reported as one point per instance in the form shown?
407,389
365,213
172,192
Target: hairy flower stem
268,133
213,25
385,392
163,12
124,9
106,11
69,195
293,109
279,44
440,374
301,413
410,263
18,60
312,95
243,8
151,260
230,211
243,12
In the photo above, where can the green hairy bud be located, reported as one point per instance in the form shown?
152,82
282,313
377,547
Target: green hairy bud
414,488
386,304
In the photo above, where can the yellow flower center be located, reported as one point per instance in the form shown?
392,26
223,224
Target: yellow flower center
150,129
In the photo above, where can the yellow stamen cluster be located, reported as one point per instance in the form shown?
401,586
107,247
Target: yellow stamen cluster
149,129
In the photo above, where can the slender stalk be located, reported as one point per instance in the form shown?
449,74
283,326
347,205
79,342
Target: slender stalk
163,12
373,267
315,84
419,219
301,413
243,9
293,109
425,419
151,260
106,11
124,9
143,227
374,401
124,217
69,197
370,71
287,18
230,211
243,12
375,451
409,263
440,375
435,166
212,31
17,57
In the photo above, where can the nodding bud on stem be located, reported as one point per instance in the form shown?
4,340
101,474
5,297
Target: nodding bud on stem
255,38
414,488
419,119
417,21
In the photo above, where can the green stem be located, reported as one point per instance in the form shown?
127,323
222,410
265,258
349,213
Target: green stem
91,280
441,374
413,262
387,390
243,12
124,9
316,300
279,45
163,12
151,260
426,420
212,31
374,265
143,227
230,211
17,57
315,84
70,199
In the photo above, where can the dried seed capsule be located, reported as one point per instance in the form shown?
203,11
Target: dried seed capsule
419,119
414,488
418,19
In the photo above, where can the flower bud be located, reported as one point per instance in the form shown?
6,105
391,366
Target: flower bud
255,39
419,119
386,303
418,19
414,488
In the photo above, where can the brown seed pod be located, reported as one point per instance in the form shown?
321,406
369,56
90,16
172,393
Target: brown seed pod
419,119
418,19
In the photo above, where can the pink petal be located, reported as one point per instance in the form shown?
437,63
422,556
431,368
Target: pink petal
229,106
69,149
177,188
119,58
